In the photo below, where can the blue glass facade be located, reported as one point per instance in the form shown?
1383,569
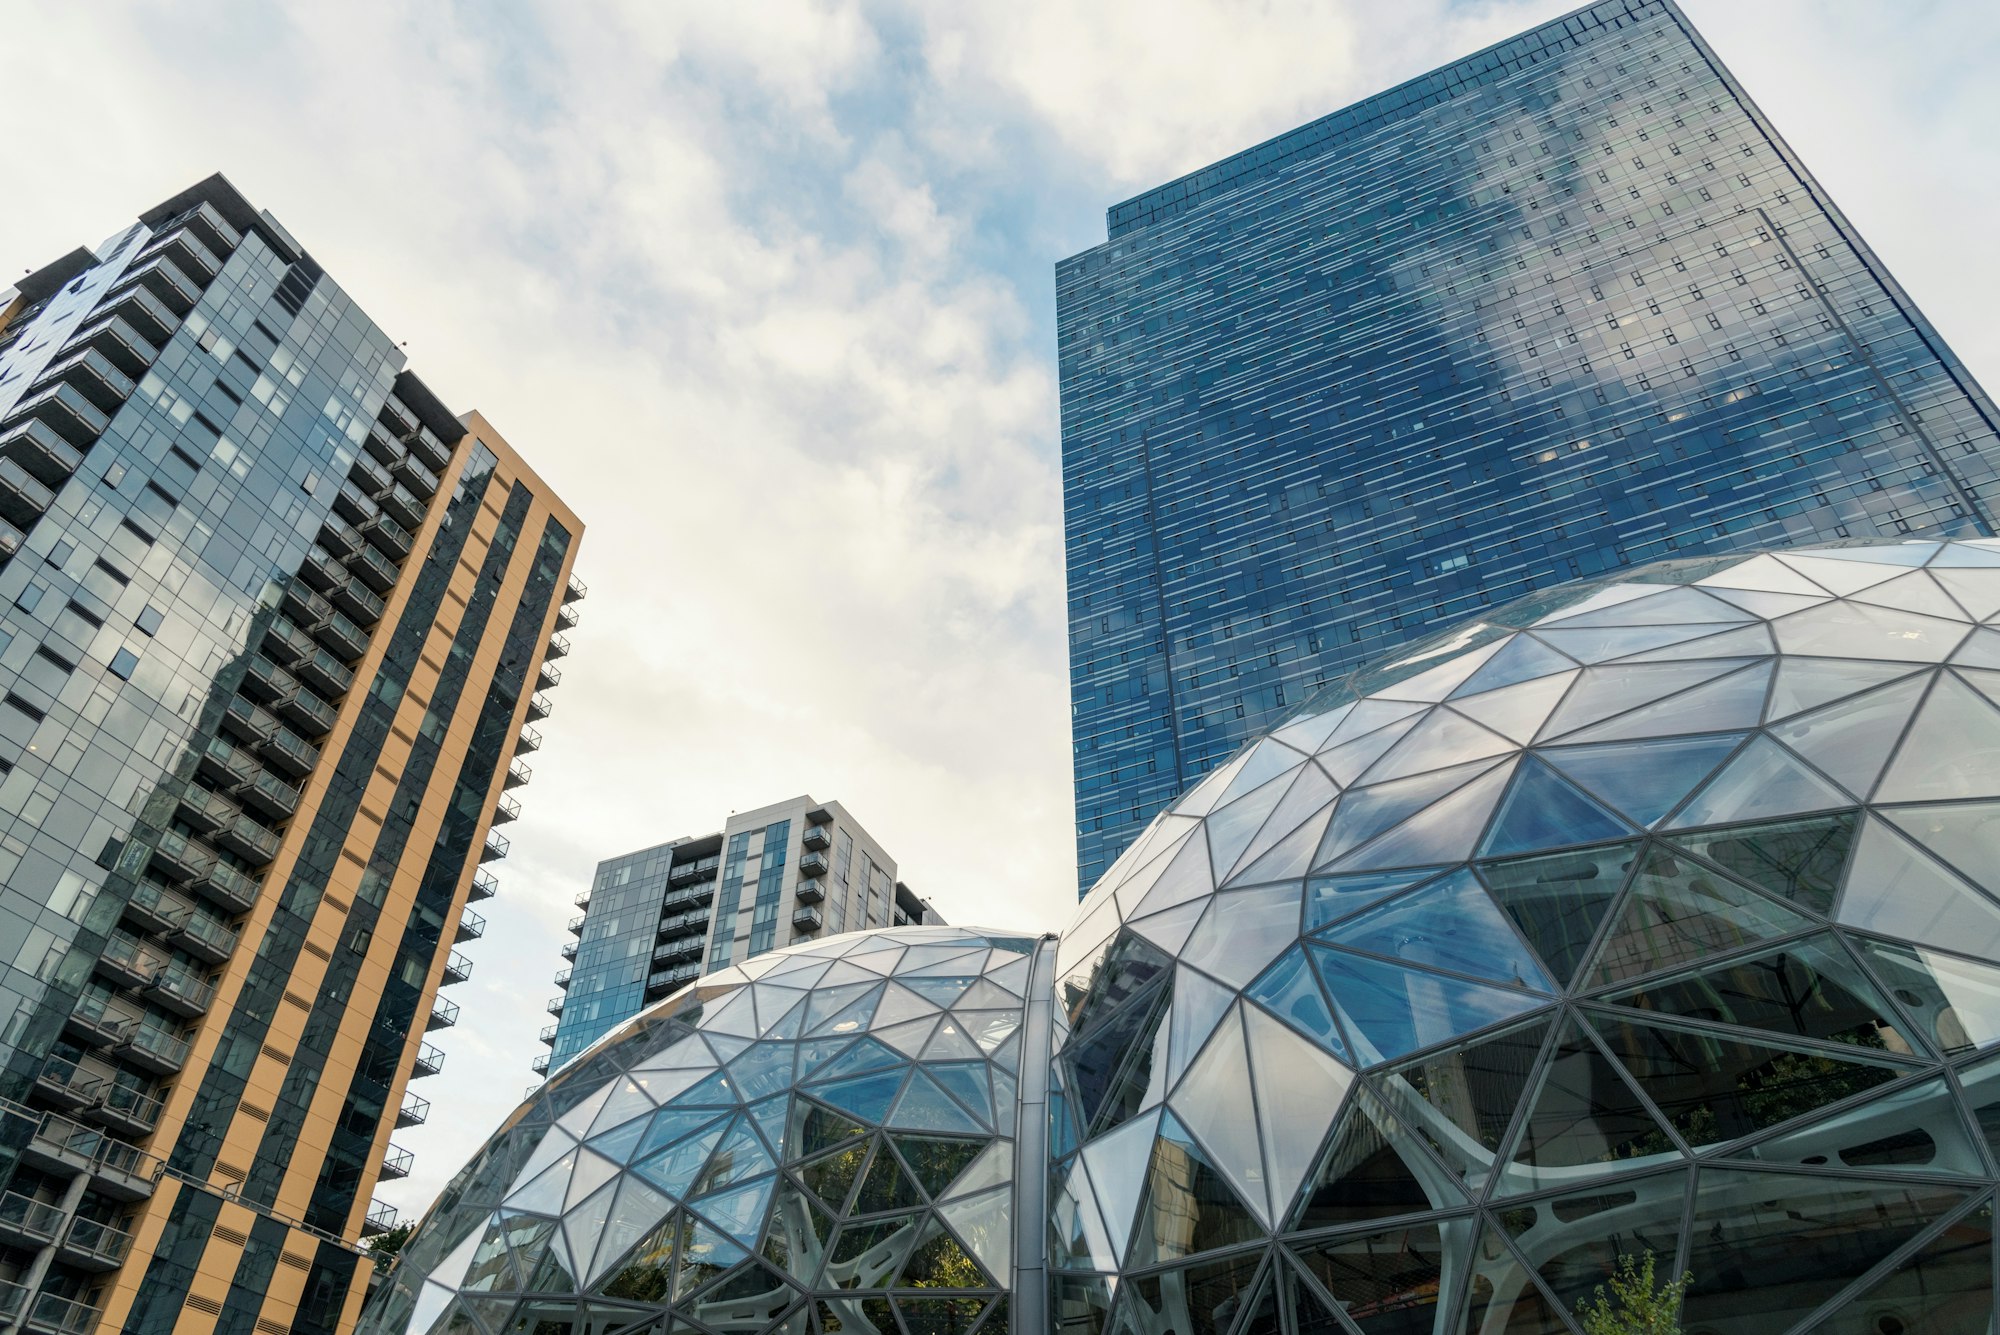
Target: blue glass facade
1566,305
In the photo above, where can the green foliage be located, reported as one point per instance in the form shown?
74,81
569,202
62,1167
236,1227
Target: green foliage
385,1247
1637,1304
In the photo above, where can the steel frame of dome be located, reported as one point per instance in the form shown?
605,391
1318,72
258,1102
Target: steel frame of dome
1658,915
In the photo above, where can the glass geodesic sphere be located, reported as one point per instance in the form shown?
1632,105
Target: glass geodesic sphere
819,1138
1653,915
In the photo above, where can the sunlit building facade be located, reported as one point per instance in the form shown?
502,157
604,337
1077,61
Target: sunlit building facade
655,919
274,628
1559,307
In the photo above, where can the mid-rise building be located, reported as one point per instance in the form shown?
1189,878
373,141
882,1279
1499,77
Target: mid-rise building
1565,305
655,920
275,626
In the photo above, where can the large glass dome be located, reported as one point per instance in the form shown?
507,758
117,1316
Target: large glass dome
820,1138
1650,916
1653,916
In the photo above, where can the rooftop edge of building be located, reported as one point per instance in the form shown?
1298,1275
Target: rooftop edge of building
1425,90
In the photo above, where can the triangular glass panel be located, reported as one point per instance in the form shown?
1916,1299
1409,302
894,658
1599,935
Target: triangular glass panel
1808,683
1656,607
1368,716
1446,830
675,1168
740,1157
1915,592
1966,553
951,1043
1506,1295
1680,912
1744,642
637,1211
1372,1169
1112,1067
1298,1088
1762,572
1807,989
1312,1314
936,1161
588,1171
1763,604
1461,1101
1197,1005
1897,889
1289,989
1955,1002
1517,712
646,1274
1367,812
1188,877
1380,1275
1715,1085
1947,753
1907,553
1643,780
1726,704
1209,1103
1309,732
1349,760
1130,888
1243,931
938,1262
1520,658
865,1096
1558,900
1980,650
1311,792
1850,741
831,1177
1574,1241
1124,971
1856,630
971,1083
1267,759
1798,860
1977,591
1292,854
1200,799
1841,577
849,1018
1763,781
705,1253
1582,1117
1449,924
1598,645
926,1107
1543,810
1330,898
1077,1237
1230,829
866,1053
1912,1129
1606,692
1117,1165
1855,1226
911,1036
986,1223
1434,684
1387,1010
1945,1286
885,1187
1261,1315
1440,740
739,1212
1187,1205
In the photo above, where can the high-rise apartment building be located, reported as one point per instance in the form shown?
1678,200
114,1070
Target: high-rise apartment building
1565,305
655,920
273,630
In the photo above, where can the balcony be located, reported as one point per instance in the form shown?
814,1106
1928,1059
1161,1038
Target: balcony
575,591
11,539
64,407
182,858
358,601
530,741
816,837
268,794
563,977
576,925
381,443
339,633
180,990
540,1065
568,950
397,1163
128,349
53,1315
247,837
388,536
396,418
427,449
398,501
555,1006
457,968
306,711
430,1060
547,677
356,509
249,721
806,919
154,1050
325,673
548,1034
672,978
40,450
471,926
265,681
286,642
368,476
582,899
381,1218
127,961
91,1244
23,500
506,809
676,952
94,376
128,1111
414,1112
518,775
420,479
558,647
339,537
205,809
26,1220
167,281
819,816
567,617
683,872
810,892
186,250
228,887
495,848
813,864
135,306
69,1086
483,887
208,939
289,753
375,570
443,1015
539,707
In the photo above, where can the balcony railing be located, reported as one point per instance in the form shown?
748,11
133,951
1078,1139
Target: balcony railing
94,1244
381,1218
518,775
397,1163
25,1217
575,591
807,919
567,617
54,1315
414,1112
547,677
457,968
558,646
575,924
556,1005
430,1060
813,864
444,1014
548,1034
540,1065
35,444
495,848
23,499
506,809
484,886
471,926
530,741
563,977
810,892
539,707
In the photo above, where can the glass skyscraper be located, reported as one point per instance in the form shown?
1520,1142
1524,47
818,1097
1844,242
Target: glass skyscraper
657,919
1565,305
274,628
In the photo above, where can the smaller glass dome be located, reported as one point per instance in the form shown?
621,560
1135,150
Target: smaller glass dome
819,1135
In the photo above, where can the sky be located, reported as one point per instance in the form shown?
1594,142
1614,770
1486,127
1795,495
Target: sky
765,290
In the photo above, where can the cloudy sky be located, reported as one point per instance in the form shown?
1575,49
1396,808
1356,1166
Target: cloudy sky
765,289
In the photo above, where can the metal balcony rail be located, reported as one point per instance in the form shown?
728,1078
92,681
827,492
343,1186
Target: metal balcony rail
563,977
98,1239
381,1218
27,1217
471,926
430,1060
398,1162
506,809
484,886
496,847
540,1064
54,1315
414,1111
518,774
